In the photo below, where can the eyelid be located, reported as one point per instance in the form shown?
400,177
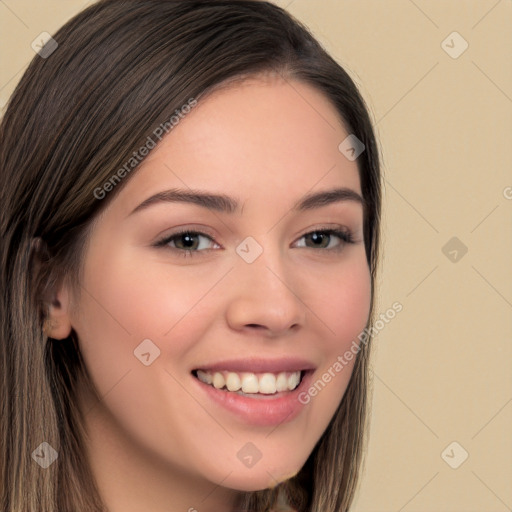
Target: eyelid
189,228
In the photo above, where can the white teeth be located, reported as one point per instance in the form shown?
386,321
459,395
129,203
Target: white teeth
282,382
268,383
251,383
218,380
233,382
293,380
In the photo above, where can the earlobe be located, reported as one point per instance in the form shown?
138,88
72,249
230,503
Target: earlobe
58,322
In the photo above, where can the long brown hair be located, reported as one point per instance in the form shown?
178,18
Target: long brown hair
121,68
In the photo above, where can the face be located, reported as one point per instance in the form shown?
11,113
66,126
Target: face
256,295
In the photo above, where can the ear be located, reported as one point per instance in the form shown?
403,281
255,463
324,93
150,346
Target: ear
55,297
58,323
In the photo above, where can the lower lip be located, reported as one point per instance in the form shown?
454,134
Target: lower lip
263,410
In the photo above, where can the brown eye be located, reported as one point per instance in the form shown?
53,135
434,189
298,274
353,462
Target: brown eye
322,238
186,242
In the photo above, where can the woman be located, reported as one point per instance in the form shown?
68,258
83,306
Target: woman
190,226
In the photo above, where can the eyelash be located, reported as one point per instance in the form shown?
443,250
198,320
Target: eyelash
344,234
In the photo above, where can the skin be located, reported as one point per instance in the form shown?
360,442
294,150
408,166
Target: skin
156,442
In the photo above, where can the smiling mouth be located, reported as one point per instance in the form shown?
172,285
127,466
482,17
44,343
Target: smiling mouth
250,384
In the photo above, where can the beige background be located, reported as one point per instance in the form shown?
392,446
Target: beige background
442,367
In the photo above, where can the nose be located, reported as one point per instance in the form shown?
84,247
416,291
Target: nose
262,297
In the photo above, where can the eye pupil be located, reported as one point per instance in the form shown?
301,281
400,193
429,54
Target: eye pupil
189,240
319,237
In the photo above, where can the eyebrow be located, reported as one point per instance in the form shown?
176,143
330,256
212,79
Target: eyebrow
226,204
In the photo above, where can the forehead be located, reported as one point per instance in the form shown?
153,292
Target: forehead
267,136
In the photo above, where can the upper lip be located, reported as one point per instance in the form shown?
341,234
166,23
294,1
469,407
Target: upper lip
260,365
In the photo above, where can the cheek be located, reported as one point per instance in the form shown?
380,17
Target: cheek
144,300
124,303
343,308
122,307
345,304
